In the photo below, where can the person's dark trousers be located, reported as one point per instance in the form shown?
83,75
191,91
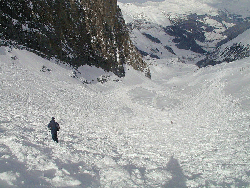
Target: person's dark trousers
54,136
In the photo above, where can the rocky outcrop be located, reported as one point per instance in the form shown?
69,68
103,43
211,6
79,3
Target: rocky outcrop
77,32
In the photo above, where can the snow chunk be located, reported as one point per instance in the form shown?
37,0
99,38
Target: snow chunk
9,177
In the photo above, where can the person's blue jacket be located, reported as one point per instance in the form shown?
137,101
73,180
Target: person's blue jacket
53,126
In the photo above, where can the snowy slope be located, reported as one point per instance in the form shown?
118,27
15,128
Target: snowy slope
151,18
186,127
243,39
158,12
187,30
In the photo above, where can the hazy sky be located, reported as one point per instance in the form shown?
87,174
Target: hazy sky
138,1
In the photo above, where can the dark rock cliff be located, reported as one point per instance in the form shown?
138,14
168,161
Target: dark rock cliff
75,31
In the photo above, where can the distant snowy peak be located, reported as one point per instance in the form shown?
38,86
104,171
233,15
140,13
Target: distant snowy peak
160,12
239,7
188,30
243,38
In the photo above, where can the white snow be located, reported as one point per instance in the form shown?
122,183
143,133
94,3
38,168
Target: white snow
165,8
186,126
242,38
153,17
217,34
160,12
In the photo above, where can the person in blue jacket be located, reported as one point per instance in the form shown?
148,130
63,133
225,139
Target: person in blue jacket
54,127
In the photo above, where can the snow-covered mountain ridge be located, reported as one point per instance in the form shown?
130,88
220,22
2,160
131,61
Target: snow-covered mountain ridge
186,127
193,31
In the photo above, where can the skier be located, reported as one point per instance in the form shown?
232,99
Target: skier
54,127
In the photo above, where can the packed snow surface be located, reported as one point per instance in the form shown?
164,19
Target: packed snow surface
186,127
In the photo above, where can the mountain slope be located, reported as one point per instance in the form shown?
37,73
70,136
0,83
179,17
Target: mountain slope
188,30
77,32
184,127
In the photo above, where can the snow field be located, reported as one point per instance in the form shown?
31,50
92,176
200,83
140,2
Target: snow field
159,12
152,18
185,127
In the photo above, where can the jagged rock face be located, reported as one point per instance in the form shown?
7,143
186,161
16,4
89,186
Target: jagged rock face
79,32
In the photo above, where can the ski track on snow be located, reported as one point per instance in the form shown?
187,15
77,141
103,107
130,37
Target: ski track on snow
184,128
